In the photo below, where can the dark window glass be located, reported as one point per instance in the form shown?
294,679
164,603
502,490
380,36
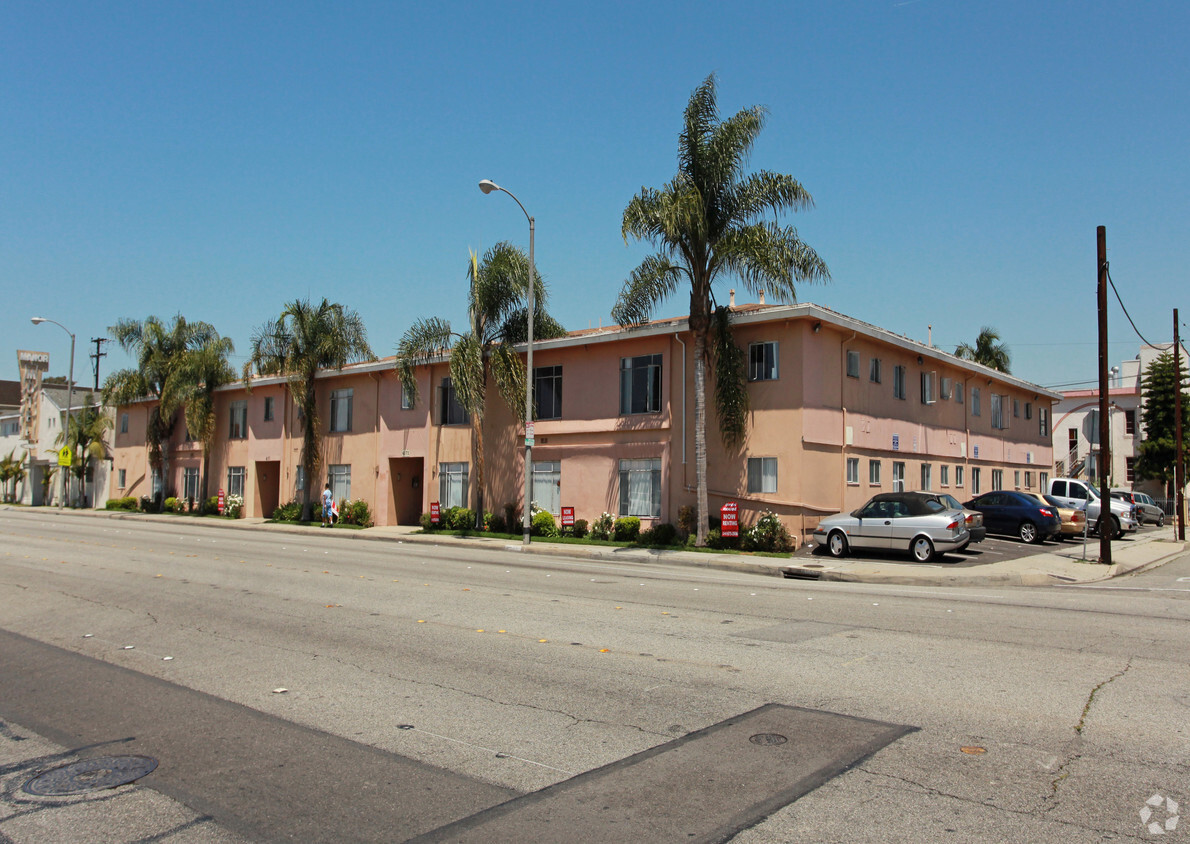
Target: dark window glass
547,392
640,384
452,413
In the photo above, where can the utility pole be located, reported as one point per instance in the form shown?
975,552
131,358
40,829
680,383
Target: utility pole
99,353
1179,468
1106,528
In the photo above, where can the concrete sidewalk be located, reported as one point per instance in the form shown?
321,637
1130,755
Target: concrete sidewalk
1060,563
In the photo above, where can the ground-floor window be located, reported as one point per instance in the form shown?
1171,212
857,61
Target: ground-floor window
190,483
874,472
958,475
927,473
452,485
123,478
640,487
898,476
339,476
1016,479
1043,480
997,479
853,470
1028,480
975,480
235,481
547,485
762,474
944,475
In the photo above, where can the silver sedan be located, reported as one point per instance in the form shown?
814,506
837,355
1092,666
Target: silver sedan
918,522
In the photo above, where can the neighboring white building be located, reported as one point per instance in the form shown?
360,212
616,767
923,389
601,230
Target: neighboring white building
1076,426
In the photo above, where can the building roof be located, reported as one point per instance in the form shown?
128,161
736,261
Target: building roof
10,394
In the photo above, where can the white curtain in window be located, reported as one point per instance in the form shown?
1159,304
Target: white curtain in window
640,487
547,485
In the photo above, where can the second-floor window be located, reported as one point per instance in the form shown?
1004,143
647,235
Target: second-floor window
998,420
547,392
341,410
974,401
762,362
239,420
123,423
640,384
1043,421
874,370
927,388
268,408
452,413
899,382
853,364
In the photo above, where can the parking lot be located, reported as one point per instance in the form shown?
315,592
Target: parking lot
993,549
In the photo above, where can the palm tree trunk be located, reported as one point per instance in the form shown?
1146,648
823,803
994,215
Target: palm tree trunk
700,434
310,444
477,459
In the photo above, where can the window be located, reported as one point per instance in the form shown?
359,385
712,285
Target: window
762,474
1028,410
341,401
898,476
899,382
235,481
874,472
640,385
998,420
958,475
452,485
975,401
927,388
975,480
944,388
958,392
123,423
1043,421
1016,479
547,485
997,479
339,476
874,370
123,482
268,408
406,398
926,476
1016,408
299,479
1028,479
762,362
190,483
1129,465
852,364
451,413
944,475
640,486
239,421
547,392
1043,480
1130,422
853,470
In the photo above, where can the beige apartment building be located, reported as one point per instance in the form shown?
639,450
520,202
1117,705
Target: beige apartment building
840,410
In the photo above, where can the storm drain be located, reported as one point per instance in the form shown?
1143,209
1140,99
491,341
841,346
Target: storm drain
90,775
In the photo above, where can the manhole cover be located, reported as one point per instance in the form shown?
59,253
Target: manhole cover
90,775
768,739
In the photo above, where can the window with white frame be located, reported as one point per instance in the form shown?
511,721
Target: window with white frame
640,487
341,401
235,481
640,384
547,392
927,387
926,476
762,474
1043,421
944,388
958,475
1028,479
874,370
268,408
975,480
190,483
997,479
123,481
1016,478
452,485
853,470
999,420
547,485
852,364
762,361
123,423
944,475
339,476
898,476
239,420
451,411
975,401
874,472
1043,480
899,382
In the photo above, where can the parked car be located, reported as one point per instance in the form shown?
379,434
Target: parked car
918,522
1016,514
1073,519
973,518
1075,492
1143,506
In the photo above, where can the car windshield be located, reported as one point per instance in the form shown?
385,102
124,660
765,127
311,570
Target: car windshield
950,501
1093,493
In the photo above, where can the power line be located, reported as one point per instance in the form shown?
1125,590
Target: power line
1107,267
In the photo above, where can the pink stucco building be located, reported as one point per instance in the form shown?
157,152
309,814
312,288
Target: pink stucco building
840,410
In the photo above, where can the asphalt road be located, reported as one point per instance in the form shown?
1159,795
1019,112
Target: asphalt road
1011,714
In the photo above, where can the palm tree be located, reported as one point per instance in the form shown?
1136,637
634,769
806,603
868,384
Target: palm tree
706,223
496,321
160,351
12,471
987,351
302,340
86,433
207,369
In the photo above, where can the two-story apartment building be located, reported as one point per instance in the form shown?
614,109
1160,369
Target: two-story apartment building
840,410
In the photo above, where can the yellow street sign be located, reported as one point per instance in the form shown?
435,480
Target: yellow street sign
64,456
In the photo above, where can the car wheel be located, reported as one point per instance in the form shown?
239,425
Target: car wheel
836,544
1113,527
923,549
1161,520
1028,532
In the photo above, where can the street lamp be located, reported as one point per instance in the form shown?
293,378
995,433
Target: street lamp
487,186
69,397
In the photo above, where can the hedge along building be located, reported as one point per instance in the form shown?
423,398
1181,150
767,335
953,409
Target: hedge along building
840,410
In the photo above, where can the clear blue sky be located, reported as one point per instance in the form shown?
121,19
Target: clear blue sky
219,159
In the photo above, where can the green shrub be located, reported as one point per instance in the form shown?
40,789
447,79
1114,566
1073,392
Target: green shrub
602,529
171,504
210,506
426,524
714,540
543,524
496,524
128,503
687,521
768,534
580,529
291,512
664,534
627,529
460,518
512,516
355,513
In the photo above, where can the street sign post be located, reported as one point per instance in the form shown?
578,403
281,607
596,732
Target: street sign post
65,456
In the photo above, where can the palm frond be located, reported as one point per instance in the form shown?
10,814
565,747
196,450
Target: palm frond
467,374
651,283
770,257
731,381
423,341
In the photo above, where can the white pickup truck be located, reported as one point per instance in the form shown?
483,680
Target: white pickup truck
1081,495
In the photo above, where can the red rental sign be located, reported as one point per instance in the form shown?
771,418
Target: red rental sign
730,518
567,517
435,513
220,502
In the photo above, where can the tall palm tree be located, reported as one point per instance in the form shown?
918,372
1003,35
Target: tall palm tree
987,351
709,222
86,435
301,341
12,472
497,319
160,351
207,369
